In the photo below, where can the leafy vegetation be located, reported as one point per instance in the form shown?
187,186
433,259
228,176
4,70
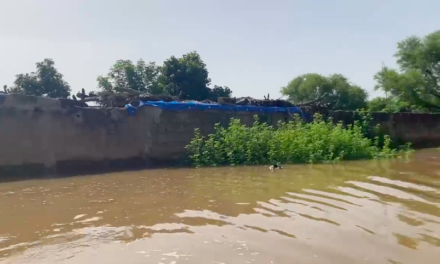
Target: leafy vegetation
415,87
46,81
141,77
388,105
186,77
294,142
342,94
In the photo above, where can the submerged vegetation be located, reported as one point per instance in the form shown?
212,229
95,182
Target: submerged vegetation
320,141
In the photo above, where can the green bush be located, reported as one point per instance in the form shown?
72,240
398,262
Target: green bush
294,142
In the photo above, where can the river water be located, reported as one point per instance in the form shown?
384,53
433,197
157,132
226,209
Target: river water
354,212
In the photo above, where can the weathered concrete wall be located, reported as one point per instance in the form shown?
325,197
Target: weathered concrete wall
40,135
422,130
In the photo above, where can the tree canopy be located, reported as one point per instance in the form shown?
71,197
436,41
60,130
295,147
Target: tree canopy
416,85
343,94
219,91
413,86
46,81
186,77
124,74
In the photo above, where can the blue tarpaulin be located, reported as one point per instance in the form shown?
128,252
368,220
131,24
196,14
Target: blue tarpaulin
181,106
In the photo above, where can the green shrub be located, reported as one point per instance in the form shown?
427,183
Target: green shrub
294,142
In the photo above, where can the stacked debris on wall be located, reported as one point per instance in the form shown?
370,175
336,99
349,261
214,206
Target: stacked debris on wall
312,107
128,97
132,97
121,98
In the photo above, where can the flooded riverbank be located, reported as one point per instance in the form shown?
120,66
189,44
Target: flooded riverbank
355,212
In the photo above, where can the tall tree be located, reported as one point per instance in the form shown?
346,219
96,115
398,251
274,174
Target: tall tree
186,76
341,93
418,81
142,77
46,81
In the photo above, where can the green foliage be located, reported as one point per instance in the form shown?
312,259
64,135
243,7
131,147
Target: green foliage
340,92
219,91
140,77
417,84
46,81
378,104
406,90
294,142
186,77
388,105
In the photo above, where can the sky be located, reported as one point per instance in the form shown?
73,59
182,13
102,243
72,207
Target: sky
254,47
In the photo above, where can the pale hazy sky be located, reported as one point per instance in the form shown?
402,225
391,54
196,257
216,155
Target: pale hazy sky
253,46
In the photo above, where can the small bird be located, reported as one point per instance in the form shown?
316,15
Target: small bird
275,167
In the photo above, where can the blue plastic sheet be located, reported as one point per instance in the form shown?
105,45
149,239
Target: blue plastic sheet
186,106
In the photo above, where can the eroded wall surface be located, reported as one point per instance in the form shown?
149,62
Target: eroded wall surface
422,130
41,135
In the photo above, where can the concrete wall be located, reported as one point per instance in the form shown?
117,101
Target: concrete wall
40,135
422,130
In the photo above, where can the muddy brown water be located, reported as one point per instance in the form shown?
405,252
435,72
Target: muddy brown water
354,212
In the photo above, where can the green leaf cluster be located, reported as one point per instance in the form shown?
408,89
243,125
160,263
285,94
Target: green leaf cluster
320,141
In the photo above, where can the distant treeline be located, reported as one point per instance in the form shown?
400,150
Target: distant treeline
414,87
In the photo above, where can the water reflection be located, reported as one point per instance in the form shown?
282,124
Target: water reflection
357,212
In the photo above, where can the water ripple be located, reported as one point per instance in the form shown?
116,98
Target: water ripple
312,214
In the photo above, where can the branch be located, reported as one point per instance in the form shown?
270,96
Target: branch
129,91
429,105
312,102
423,102
91,99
